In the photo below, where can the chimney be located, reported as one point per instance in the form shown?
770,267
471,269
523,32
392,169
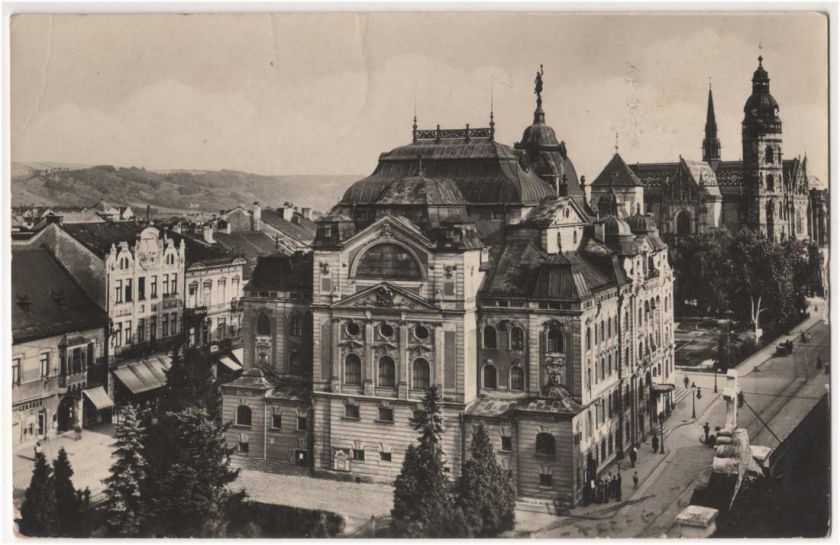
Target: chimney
587,191
288,213
306,213
256,217
208,234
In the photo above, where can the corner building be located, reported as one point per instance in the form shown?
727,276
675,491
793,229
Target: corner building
478,267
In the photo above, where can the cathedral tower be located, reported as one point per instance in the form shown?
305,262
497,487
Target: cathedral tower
761,137
711,144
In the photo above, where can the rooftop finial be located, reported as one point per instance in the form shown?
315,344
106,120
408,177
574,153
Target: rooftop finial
492,121
616,142
539,115
710,83
760,57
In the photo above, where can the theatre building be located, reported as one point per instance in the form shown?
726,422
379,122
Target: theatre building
478,267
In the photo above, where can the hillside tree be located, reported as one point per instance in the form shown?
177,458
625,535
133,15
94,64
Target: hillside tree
124,517
38,511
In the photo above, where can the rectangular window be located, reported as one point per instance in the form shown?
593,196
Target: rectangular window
153,287
351,411
153,328
222,329
385,456
128,331
174,284
117,335
77,361
173,323
45,365
276,421
91,356
507,443
165,285
118,292
141,330
546,480
301,423
359,455
386,414
128,295
243,447
141,288
16,371
301,458
164,324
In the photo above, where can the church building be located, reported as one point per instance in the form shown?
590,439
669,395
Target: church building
478,267
763,191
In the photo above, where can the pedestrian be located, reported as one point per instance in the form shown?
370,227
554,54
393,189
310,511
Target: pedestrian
633,454
685,381
635,480
706,431
37,448
654,442
618,486
616,493
593,492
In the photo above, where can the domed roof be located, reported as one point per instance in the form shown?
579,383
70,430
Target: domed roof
641,223
421,190
761,110
614,226
538,135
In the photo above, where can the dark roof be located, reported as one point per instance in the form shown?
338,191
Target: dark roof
99,237
56,303
422,190
617,174
282,273
301,229
485,171
198,251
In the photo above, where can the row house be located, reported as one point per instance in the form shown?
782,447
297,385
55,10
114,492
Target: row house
58,349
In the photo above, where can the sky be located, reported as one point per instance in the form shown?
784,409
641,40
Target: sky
322,93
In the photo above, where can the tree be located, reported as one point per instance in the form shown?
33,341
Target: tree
185,491
67,501
38,511
423,502
485,493
189,382
122,486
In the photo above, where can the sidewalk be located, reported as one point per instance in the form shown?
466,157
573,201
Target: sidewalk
90,458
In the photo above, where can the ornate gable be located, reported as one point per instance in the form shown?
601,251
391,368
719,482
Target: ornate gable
386,296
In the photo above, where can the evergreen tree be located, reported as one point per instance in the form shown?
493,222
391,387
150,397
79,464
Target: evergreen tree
185,491
67,502
189,382
485,493
38,511
122,486
423,502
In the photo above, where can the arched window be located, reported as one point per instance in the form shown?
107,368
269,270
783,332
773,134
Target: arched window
603,368
386,372
170,259
420,374
517,378
123,263
574,236
609,364
490,337
603,332
294,326
641,351
489,376
588,338
263,324
545,444
388,261
555,340
294,362
243,416
352,370
588,378
559,242
771,184
683,223
517,339
609,327
768,154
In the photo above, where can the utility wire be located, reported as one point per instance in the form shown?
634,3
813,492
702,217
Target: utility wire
764,394
763,422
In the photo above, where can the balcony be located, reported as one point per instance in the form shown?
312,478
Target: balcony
71,379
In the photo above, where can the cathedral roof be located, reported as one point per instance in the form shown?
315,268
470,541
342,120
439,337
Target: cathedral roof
617,174
484,171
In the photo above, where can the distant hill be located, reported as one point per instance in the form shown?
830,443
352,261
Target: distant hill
54,184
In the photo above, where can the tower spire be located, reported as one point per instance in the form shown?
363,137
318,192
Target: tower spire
492,121
711,143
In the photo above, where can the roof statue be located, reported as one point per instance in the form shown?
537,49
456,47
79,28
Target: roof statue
538,84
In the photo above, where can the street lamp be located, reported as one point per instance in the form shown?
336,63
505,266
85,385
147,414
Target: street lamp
661,433
693,405
716,372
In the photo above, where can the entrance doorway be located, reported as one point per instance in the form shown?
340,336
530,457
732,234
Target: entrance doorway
66,413
42,423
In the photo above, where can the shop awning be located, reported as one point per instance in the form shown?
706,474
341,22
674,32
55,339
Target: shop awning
144,375
99,398
228,362
662,388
